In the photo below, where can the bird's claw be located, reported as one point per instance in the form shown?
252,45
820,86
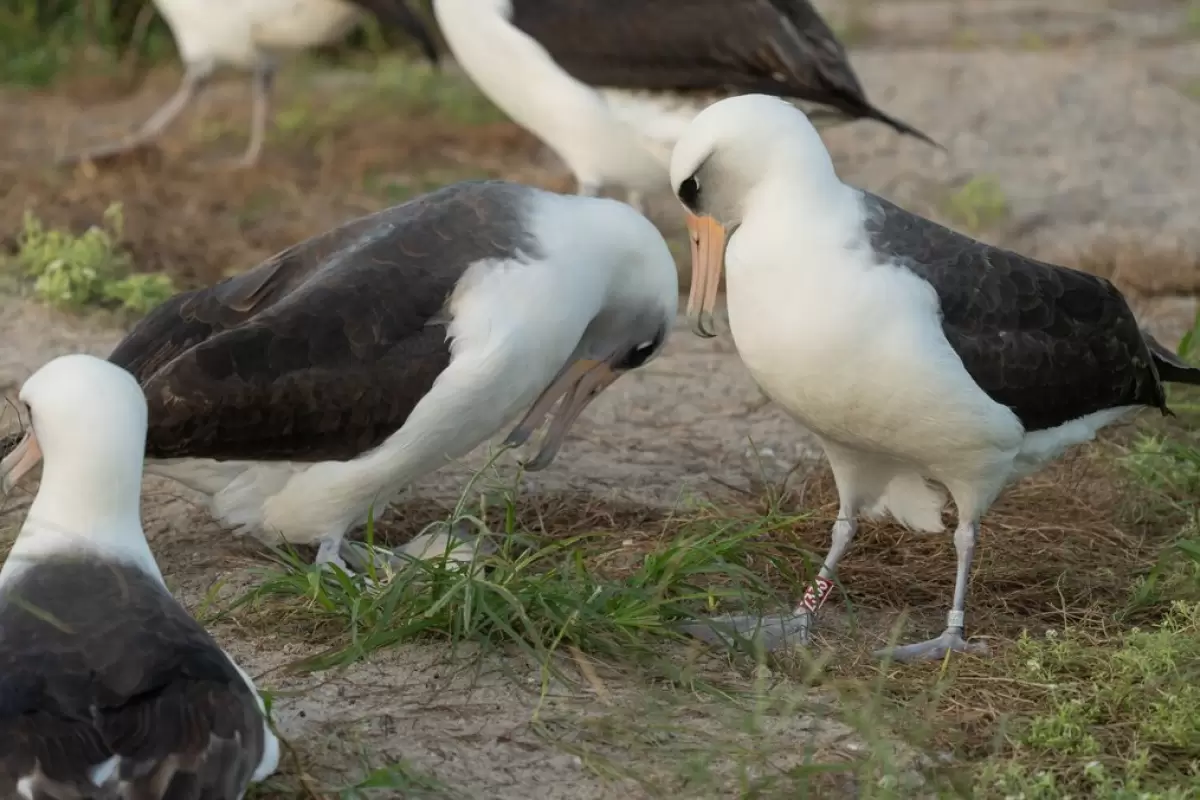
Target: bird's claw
951,641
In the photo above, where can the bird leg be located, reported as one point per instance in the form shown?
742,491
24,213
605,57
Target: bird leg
329,552
952,639
637,201
589,189
194,80
263,83
776,630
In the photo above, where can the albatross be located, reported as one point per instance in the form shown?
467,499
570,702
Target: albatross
609,85
325,380
924,361
251,35
109,688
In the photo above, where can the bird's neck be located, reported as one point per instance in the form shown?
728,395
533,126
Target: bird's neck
81,510
800,223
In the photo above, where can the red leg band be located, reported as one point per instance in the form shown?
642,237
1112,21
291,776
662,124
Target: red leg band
815,596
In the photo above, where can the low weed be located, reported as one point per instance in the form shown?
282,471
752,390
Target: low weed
90,270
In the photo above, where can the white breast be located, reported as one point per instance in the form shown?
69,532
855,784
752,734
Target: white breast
856,354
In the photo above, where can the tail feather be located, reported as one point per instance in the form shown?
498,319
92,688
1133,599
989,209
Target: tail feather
1171,368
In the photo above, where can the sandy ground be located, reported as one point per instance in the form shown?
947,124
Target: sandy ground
1085,113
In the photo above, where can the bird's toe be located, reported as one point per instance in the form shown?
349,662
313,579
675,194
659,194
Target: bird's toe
933,650
773,632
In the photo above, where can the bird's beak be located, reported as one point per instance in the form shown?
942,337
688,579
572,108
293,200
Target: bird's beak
23,458
581,381
708,257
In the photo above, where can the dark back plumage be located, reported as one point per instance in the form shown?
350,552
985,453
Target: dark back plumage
322,351
98,660
777,47
1051,343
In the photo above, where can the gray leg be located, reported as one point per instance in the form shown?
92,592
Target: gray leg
329,552
778,630
589,189
194,81
637,201
843,533
951,639
263,83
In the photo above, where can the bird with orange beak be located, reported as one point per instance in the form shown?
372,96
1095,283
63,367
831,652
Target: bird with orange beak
923,361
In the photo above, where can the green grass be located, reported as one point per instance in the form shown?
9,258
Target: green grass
40,40
540,594
978,204
1120,717
1193,17
392,780
418,88
89,270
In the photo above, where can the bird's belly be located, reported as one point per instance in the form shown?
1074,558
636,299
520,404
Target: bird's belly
297,24
206,31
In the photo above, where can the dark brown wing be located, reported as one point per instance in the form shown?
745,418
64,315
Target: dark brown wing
398,14
778,47
98,661
322,352
1051,343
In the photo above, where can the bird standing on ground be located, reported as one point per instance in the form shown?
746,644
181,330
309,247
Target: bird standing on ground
918,356
609,85
322,382
250,35
108,688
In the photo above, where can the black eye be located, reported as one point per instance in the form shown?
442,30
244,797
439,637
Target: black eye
689,192
638,355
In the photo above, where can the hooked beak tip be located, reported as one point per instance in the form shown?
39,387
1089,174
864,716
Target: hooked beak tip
537,463
517,438
703,325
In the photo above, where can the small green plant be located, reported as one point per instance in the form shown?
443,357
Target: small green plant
1193,16
1030,40
978,204
1119,718
75,272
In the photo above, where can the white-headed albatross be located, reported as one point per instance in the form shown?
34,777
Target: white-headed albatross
251,35
919,357
325,380
609,85
108,688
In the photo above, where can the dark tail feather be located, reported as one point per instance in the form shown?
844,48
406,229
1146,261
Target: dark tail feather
1171,368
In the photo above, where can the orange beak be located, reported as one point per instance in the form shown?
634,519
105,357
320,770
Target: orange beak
708,257
581,383
23,458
